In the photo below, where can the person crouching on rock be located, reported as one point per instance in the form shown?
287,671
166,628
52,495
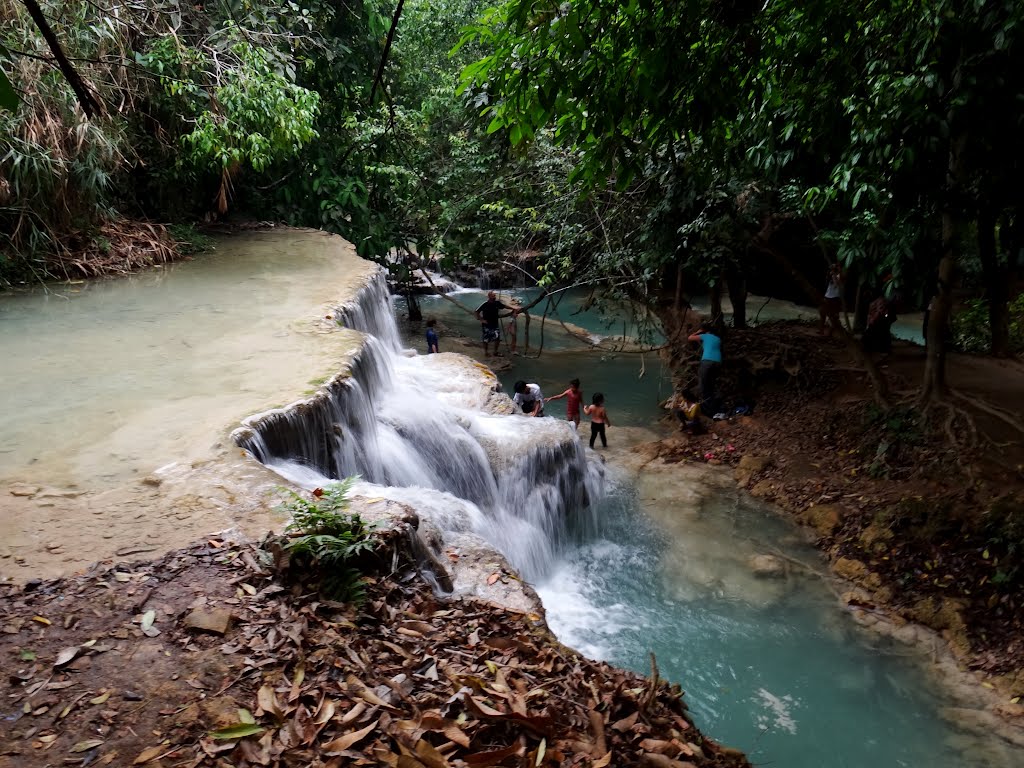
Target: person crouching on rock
529,398
687,409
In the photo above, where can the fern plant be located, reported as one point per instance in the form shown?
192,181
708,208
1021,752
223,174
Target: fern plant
328,539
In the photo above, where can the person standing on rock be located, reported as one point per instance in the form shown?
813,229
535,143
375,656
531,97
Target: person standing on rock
574,396
710,364
529,398
833,303
489,314
432,340
598,419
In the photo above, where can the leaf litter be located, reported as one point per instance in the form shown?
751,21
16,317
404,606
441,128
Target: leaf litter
407,680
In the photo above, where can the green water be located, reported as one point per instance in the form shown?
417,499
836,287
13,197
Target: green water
771,666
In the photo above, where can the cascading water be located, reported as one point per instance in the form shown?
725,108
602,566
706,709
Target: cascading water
411,422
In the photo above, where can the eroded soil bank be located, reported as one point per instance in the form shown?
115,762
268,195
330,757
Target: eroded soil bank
205,658
918,515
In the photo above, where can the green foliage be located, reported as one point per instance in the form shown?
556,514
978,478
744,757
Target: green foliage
189,240
972,330
890,437
8,96
251,113
329,540
1003,529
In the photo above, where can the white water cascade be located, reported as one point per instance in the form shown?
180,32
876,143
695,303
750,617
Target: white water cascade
432,432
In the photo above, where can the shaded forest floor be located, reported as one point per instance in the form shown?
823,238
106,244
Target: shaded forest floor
203,658
925,512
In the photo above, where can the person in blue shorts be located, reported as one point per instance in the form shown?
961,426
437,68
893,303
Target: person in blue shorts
432,339
710,365
488,314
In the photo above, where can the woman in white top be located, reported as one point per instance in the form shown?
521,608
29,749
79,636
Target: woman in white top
829,309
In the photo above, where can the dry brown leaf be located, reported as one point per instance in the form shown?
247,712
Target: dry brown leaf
492,757
429,756
626,723
357,709
148,754
357,688
454,733
602,762
268,703
342,743
661,761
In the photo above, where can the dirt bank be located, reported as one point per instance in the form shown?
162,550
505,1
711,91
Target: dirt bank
924,513
202,658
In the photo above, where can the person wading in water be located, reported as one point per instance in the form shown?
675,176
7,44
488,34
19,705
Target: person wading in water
489,314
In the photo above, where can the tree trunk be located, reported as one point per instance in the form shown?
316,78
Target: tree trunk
737,286
860,309
878,382
90,105
678,304
997,289
415,313
716,300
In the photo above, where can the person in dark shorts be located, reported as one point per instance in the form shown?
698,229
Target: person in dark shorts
598,419
432,339
489,314
710,364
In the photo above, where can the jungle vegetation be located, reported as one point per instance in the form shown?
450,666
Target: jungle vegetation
657,148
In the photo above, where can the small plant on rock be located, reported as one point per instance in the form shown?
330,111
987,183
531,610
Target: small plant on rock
325,539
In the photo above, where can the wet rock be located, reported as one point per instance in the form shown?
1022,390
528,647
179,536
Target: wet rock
876,537
750,466
215,620
850,569
767,566
23,489
58,493
763,489
825,519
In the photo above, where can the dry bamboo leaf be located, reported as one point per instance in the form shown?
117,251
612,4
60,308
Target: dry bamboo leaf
342,743
357,709
602,762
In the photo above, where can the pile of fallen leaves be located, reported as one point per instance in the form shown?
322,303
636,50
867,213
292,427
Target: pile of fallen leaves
203,658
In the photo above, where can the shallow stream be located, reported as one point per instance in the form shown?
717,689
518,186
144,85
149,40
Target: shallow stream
105,383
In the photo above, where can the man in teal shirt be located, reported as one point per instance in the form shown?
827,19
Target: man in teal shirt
710,364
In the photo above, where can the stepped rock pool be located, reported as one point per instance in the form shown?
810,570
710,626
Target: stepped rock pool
106,383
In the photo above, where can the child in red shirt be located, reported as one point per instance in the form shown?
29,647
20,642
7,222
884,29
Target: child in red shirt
574,396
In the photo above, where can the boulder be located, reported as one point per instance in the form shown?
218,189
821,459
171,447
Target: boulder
762,490
850,569
215,620
825,519
875,537
750,466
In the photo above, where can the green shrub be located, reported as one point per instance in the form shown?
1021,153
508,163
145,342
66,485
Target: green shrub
327,541
973,333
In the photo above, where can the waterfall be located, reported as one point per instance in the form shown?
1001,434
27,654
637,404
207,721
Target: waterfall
423,428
